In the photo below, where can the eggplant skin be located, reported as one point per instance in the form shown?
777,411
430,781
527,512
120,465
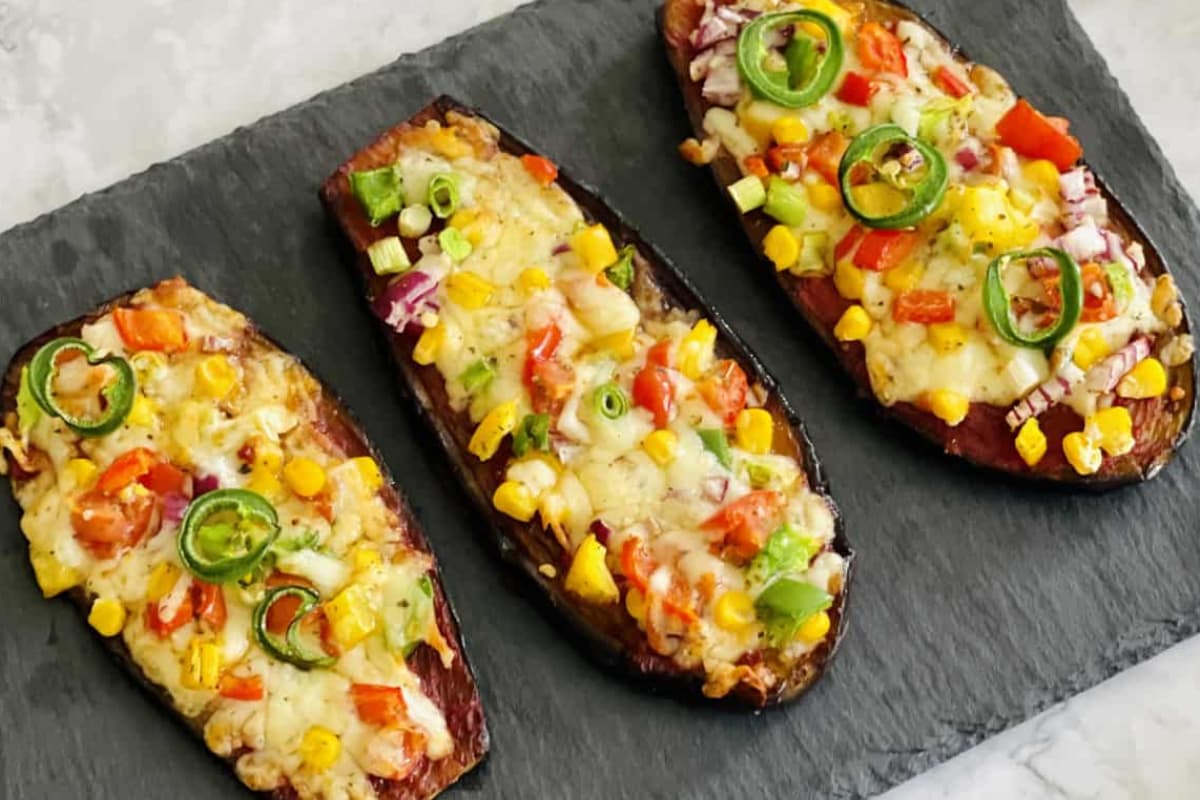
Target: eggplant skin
608,634
983,439
454,690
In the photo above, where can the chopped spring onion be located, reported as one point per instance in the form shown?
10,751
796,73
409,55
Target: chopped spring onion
443,194
478,376
1121,283
621,272
454,244
388,257
785,202
415,221
814,254
717,443
407,614
532,434
610,401
787,551
28,411
748,193
380,191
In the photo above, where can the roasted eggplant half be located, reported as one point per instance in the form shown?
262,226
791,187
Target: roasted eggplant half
632,457
223,523
940,234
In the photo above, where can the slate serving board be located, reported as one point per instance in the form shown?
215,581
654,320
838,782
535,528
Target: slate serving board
978,601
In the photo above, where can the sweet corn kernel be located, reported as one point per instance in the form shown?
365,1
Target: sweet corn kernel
320,748
696,349
446,142
1147,379
533,279
201,665
425,351
469,290
305,477
781,246
823,196
107,616
1044,175
620,344
462,218
351,616
162,580
478,229
661,446
369,472
1082,453
268,455
552,508
265,483
366,558
215,376
53,577
755,430
1090,347
1112,429
854,325
841,17
498,423
904,277
734,611
1031,442
849,280
815,628
758,118
515,500
948,406
1021,200
789,130
81,470
143,411
146,363
594,247
588,576
635,604
946,337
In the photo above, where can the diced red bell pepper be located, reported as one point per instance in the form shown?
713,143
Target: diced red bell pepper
880,50
725,388
283,611
548,381
543,170
163,479
379,705
857,90
847,243
884,249
745,522
946,80
165,626
779,156
125,469
654,391
756,166
825,155
660,354
925,306
158,329
208,600
1033,135
234,687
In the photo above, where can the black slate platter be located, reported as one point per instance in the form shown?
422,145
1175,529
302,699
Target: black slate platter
978,601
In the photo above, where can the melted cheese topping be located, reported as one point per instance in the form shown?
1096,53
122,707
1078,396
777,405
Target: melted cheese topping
348,539
598,481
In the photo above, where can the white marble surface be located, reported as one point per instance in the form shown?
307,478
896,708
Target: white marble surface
93,92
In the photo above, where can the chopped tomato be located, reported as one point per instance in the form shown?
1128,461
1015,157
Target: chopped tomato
779,156
745,522
848,242
549,382
756,166
106,525
163,479
856,90
379,705
725,388
283,611
925,306
238,688
151,329
208,599
825,155
637,566
165,626
946,80
1033,135
660,354
127,468
541,345
883,249
543,170
1099,305
880,50
653,391
394,753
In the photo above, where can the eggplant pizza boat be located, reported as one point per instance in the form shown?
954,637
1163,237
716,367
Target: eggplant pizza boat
941,234
632,457
224,524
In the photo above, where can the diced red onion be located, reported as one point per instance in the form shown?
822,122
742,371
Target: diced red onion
967,158
1083,243
173,506
1137,255
1044,396
715,488
203,484
1041,267
723,86
217,344
1074,184
1105,376
791,172
560,249
712,30
738,15
1114,251
600,531
403,302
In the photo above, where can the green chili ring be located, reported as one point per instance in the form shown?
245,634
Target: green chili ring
610,401
289,648
779,87
926,195
998,304
229,567
118,396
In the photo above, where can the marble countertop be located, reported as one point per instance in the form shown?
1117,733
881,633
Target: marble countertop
92,93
